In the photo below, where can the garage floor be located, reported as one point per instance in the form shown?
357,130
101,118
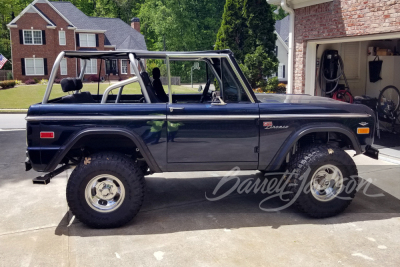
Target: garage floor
177,226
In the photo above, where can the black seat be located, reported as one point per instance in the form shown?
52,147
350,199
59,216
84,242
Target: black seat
72,85
158,87
83,97
150,90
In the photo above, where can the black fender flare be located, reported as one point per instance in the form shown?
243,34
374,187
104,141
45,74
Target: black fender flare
136,139
307,129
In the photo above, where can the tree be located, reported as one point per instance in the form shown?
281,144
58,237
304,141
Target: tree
180,25
247,29
9,9
281,13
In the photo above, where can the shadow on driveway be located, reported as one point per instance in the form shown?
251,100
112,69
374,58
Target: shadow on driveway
179,205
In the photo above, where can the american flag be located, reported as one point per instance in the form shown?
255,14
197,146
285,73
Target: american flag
3,61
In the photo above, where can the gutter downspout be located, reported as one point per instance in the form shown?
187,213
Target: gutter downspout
289,10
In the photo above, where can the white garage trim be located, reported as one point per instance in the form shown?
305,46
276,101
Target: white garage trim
311,53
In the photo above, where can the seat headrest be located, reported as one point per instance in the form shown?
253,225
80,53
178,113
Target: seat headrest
156,73
71,84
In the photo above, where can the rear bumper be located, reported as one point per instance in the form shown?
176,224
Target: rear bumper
28,164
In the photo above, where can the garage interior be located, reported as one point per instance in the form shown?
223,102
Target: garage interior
356,57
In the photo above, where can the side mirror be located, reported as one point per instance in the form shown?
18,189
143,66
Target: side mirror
200,88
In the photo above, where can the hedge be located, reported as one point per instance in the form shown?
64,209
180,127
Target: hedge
7,84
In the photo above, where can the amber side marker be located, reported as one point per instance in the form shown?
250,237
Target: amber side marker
364,130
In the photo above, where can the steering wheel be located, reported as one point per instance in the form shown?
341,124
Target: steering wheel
205,91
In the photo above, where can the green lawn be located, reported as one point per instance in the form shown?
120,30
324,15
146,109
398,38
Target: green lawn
21,97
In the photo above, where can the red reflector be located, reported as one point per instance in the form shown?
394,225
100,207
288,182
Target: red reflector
46,134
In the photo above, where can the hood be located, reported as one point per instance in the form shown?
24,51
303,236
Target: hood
299,99
306,104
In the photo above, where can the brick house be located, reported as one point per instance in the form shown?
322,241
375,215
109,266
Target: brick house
44,29
348,26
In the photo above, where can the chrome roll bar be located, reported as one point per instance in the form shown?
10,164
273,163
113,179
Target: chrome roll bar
83,69
52,77
169,79
115,86
168,56
137,73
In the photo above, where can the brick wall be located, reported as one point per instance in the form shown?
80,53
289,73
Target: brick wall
52,47
50,50
340,18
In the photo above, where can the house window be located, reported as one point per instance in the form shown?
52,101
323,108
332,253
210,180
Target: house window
281,71
34,66
63,66
32,37
87,40
124,66
61,37
91,66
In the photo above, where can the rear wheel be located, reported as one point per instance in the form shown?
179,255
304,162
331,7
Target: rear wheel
324,181
106,190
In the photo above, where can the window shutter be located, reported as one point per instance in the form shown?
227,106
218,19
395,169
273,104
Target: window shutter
21,37
283,71
43,37
23,65
97,40
77,39
45,66
276,50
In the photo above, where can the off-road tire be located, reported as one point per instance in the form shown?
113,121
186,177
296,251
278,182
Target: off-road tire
313,157
115,164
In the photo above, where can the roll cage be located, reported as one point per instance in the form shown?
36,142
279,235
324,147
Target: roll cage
135,59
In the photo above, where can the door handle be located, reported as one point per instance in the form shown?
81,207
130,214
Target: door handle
171,109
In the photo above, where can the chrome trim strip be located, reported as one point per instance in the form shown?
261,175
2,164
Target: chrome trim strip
99,118
304,116
212,117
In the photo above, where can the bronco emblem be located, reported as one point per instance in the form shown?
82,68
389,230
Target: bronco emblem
268,125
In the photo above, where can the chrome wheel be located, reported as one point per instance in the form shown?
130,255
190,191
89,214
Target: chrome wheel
104,193
326,183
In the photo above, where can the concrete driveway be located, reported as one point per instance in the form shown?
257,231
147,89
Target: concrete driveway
177,226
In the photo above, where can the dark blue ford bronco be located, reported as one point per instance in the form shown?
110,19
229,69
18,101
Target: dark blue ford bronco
135,128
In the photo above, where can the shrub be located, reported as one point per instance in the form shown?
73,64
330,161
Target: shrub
30,81
9,76
272,85
258,90
7,84
18,82
93,78
281,89
57,80
44,81
36,80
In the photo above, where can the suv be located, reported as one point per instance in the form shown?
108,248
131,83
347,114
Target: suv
114,140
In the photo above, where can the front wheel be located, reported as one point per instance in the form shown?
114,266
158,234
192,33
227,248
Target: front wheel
106,190
324,180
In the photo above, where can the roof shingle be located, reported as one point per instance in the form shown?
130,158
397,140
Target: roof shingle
282,28
117,32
